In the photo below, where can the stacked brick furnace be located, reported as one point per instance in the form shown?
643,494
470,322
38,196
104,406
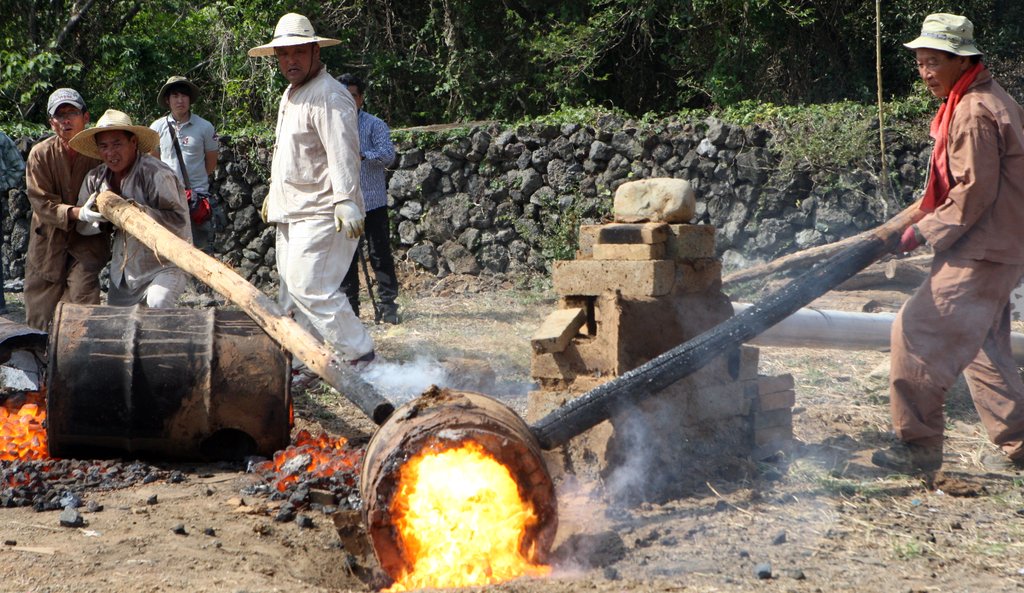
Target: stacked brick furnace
634,291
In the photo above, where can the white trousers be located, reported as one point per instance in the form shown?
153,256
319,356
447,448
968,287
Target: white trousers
161,292
312,259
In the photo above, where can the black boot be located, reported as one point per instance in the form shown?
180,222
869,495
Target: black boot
389,313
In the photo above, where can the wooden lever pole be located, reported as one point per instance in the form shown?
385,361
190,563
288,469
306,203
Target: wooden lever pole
267,313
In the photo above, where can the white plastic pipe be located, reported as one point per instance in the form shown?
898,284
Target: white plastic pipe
841,330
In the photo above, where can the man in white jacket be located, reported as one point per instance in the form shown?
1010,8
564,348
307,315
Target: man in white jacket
314,197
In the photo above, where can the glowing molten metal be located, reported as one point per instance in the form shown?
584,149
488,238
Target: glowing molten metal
22,433
461,521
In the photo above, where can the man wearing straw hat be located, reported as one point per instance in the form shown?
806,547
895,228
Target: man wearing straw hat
958,320
137,275
61,263
314,199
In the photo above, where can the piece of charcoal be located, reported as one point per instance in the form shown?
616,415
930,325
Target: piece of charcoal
285,515
69,517
70,499
763,570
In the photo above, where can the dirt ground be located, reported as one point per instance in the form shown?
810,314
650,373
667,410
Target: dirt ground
820,518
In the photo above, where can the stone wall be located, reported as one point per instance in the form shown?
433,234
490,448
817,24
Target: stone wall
493,200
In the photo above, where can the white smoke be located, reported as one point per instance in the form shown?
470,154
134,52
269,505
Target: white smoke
400,382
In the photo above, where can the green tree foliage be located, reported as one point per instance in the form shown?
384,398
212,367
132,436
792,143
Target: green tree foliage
445,60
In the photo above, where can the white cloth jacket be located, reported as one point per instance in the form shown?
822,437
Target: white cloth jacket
316,159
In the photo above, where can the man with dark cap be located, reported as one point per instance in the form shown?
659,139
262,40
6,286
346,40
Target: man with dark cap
189,145
61,263
958,320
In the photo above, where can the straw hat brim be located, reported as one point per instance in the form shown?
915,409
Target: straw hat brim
268,49
84,142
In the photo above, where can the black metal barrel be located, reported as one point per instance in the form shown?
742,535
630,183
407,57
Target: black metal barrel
164,383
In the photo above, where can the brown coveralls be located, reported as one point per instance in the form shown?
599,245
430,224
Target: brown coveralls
958,320
60,262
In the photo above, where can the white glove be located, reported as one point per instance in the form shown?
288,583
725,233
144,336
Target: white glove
347,216
89,213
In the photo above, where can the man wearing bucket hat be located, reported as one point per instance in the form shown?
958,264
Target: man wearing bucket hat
314,199
137,275
189,145
958,320
61,263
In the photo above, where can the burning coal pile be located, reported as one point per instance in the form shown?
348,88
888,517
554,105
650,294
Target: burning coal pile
30,478
319,473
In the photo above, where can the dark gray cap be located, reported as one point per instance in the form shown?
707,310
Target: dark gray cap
62,96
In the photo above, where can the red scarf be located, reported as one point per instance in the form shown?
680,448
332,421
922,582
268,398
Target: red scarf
939,178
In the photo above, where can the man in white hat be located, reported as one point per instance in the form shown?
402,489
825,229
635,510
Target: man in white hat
314,197
189,145
958,320
61,263
137,275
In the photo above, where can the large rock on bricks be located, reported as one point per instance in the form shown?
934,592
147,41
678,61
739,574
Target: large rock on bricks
655,200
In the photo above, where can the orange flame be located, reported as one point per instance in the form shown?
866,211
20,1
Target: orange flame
22,429
461,521
327,456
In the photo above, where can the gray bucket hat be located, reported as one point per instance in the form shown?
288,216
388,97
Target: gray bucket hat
947,32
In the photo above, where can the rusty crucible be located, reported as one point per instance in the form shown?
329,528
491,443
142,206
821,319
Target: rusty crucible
443,418
456,417
164,383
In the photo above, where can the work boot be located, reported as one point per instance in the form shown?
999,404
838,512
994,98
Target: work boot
1001,463
908,458
389,313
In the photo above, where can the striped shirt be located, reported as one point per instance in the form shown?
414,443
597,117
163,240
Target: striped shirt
12,167
377,153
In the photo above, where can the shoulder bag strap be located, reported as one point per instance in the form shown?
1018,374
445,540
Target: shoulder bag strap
177,151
